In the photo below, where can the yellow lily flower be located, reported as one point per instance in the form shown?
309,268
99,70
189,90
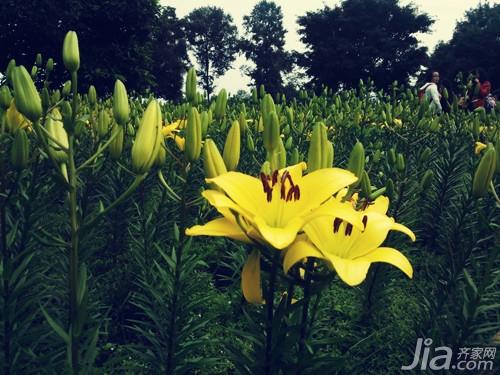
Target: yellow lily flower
348,249
172,130
398,122
273,209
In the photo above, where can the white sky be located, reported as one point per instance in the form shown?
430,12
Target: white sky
445,12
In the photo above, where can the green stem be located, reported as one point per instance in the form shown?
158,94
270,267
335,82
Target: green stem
305,313
270,316
99,151
73,258
178,267
6,292
137,181
493,191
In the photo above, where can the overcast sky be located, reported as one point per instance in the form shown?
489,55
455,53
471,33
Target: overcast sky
445,12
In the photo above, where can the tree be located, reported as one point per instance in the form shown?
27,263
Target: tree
115,37
264,45
213,39
169,55
475,44
363,38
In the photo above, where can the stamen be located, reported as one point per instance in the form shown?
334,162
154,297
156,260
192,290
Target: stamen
296,193
265,184
348,229
336,224
275,178
365,221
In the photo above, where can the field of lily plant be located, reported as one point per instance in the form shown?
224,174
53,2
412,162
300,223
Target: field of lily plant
320,234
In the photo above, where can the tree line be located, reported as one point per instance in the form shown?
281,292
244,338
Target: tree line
148,46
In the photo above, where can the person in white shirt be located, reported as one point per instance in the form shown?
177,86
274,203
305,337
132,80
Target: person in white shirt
431,93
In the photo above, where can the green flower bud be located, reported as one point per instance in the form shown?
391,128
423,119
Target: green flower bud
250,143
38,59
5,97
281,155
161,156
267,106
262,91
289,116
55,128
70,52
294,159
121,107
213,164
103,121
243,122
426,181
255,98
204,123
366,187
28,100
484,172
92,96
45,98
66,90
271,132
392,156
220,105
116,146
231,153
289,143
320,153
34,71
377,155
147,139
49,66
286,129
55,97
425,155
192,147
191,86
356,163
67,116
10,70
400,163
377,193
19,152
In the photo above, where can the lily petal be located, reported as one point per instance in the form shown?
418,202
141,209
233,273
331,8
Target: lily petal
404,229
279,237
246,191
351,271
250,278
321,184
380,205
221,227
299,250
391,256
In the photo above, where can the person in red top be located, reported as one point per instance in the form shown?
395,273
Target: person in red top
481,90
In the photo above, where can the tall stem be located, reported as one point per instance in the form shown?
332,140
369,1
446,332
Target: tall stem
305,313
73,257
175,292
7,328
270,316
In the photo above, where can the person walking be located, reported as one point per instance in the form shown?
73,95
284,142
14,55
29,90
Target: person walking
430,93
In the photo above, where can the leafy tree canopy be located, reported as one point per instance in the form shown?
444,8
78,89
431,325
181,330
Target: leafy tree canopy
475,44
213,39
363,38
115,37
264,45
